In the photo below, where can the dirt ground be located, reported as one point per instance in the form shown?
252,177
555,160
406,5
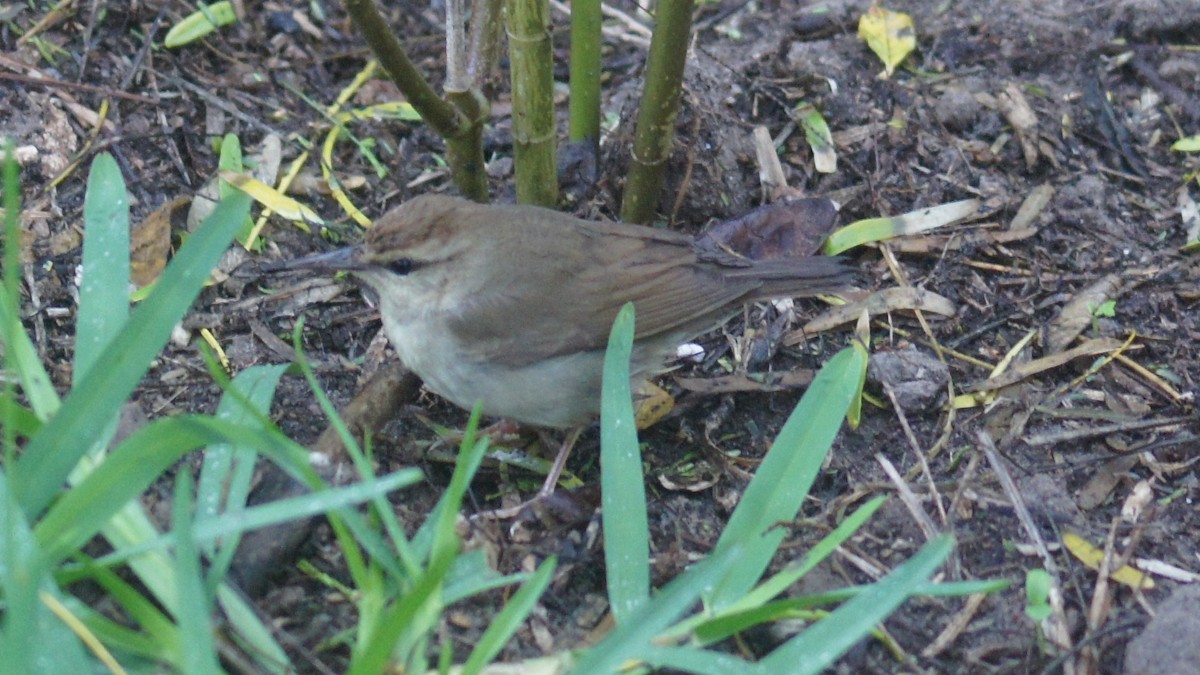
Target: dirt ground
1056,116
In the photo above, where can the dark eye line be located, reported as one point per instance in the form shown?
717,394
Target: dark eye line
401,266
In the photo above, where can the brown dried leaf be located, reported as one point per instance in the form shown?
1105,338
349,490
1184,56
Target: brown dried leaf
1102,483
1035,202
1020,115
783,229
958,241
150,241
1079,312
881,302
1031,368
772,381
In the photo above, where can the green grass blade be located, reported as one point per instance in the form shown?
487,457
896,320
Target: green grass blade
200,23
505,624
692,660
11,290
104,284
130,469
403,622
20,357
256,386
403,629
626,532
787,472
818,647
632,637
41,471
471,575
32,639
259,639
823,549
444,539
20,419
121,640
159,639
715,628
19,581
194,614
25,362
734,622
225,526
228,472
400,559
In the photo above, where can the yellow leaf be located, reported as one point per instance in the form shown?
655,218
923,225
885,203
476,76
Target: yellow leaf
653,404
273,199
393,110
1091,556
216,347
889,34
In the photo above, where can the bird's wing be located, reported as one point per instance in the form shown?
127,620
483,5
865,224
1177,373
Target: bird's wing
571,300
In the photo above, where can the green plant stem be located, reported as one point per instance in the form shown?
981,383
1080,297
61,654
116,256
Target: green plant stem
462,128
584,109
660,103
532,62
465,151
12,289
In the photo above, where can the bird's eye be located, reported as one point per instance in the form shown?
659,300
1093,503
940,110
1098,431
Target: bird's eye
400,266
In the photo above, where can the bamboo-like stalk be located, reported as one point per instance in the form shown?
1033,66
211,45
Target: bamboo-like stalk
655,131
584,109
460,123
456,47
531,62
485,39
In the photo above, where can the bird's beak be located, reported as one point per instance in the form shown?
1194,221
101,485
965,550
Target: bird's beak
348,259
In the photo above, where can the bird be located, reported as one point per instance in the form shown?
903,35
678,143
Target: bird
512,305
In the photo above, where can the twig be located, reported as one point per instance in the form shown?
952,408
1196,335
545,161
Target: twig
916,448
1104,430
928,528
60,84
1056,625
957,625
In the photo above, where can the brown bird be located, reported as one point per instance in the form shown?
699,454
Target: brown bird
512,305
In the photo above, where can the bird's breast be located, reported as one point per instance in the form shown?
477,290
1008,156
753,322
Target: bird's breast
562,391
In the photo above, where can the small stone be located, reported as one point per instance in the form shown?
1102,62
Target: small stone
1168,644
918,379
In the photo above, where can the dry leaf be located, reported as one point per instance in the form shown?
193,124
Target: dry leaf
794,227
772,381
1136,502
1079,313
1031,368
1102,483
653,403
880,302
1020,115
273,199
1091,556
1035,202
150,242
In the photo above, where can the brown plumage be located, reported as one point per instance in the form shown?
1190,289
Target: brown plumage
512,305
